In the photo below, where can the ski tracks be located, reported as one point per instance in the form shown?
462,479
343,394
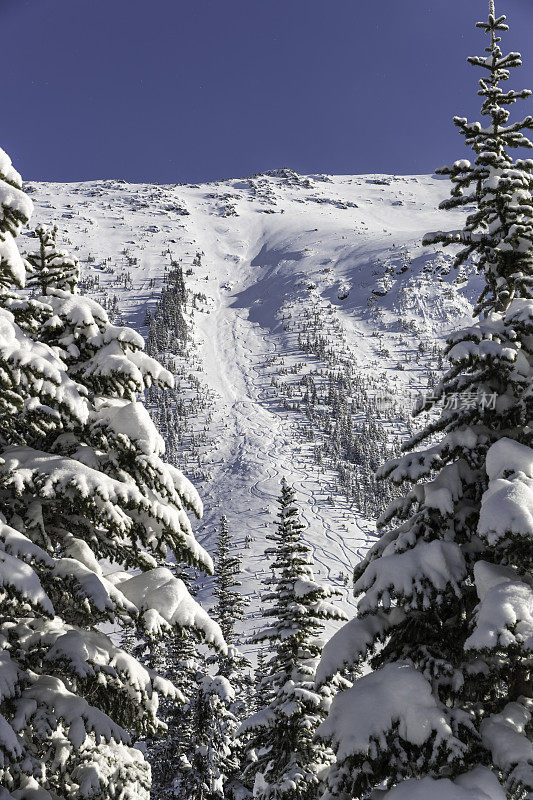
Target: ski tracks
258,446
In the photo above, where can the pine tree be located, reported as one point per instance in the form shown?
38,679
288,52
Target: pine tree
178,659
228,611
212,757
50,267
234,666
230,605
260,680
286,762
81,480
171,754
499,229
445,595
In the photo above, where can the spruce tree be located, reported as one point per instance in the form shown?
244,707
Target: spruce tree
50,267
259,679
171,753
209,767
233,666
178,659
286,761
82,486
228,611
230,605
498,230
168,329
212,758
445,597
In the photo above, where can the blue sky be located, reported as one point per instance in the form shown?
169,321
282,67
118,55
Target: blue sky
175,90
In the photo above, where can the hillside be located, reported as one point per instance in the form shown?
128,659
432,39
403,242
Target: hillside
311,306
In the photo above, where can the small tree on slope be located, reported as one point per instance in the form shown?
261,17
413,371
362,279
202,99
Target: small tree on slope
287,762
228,611
81,480
50,267
234,666
230,605
446,606
211,757
211,767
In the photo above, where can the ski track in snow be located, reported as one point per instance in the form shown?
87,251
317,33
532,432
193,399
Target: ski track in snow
263,260
263,442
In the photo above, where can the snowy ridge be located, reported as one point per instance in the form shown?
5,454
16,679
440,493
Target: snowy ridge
277,251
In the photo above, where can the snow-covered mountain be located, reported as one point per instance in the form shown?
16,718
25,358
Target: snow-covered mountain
289,278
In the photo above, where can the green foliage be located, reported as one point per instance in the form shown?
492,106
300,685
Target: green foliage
430,612
82,481
285,760
50,268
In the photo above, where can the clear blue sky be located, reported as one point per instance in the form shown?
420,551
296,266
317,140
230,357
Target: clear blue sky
192,90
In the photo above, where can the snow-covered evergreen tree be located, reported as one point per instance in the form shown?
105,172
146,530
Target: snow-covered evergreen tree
233,666
198,756
206,760
49,266
170,754
178,659
211,758
81,481
259,680
228,611
444,615
230,605
498,230
286,762
168,330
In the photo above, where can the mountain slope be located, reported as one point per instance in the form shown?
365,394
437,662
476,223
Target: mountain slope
290,278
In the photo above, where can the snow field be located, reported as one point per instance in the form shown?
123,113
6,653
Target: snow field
273,249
